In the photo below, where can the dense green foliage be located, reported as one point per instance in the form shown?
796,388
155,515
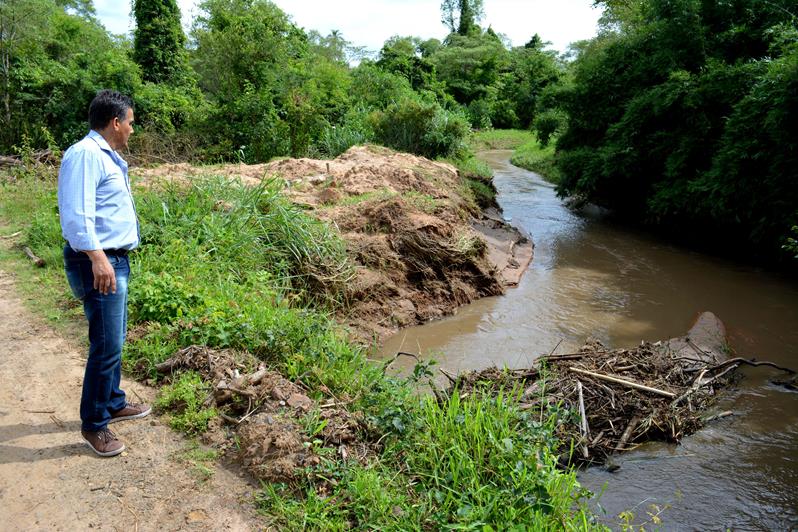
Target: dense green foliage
51,65
224,265
683,115
249,85
159,41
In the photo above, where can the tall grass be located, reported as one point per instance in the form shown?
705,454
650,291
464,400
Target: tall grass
481,461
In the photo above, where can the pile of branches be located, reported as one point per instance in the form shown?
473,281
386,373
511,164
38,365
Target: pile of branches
617,399
38,157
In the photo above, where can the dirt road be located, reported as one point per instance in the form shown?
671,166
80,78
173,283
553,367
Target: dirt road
50,480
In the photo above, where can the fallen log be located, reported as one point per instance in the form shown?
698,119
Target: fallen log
627,434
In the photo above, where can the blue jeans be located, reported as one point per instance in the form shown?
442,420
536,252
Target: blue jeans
107,317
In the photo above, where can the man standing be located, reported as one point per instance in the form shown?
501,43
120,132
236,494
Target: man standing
98,221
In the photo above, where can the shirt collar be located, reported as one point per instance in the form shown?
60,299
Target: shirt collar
100,140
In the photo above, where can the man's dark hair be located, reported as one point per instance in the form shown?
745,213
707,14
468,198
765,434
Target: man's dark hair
106,106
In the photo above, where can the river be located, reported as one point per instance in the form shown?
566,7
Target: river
591,278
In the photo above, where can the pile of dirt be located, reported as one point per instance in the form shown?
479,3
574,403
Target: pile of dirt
422,248
268,423
621,398
420,244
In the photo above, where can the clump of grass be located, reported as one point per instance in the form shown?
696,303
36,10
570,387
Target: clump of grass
421,201
201,460
184,399
477,179
480,460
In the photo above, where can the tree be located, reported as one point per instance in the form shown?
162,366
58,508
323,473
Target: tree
159,42
682,117
462,16
402,55
52,61
470,65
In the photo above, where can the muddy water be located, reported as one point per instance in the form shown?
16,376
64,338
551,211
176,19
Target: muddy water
590,278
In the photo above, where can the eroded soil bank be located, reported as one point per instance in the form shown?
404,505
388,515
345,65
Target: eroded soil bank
420,244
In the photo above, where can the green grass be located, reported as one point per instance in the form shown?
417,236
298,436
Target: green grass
500,139
184,398
539,159
423,202
201,460
223,265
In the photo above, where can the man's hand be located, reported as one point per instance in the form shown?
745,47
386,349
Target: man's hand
104,274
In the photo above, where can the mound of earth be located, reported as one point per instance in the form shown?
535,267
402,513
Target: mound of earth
421,245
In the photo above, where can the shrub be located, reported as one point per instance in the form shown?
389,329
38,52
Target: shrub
161,297
421,128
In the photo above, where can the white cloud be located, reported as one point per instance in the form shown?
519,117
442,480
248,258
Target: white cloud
370,22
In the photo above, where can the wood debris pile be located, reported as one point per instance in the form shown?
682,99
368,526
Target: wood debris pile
617,399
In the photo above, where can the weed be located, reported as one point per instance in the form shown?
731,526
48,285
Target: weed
185,398
200,459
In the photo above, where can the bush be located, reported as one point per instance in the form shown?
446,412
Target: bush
548,124
421,128
161,297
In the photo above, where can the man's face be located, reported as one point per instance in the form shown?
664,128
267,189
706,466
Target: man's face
123,129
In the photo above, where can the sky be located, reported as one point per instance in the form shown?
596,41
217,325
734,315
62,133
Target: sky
370,23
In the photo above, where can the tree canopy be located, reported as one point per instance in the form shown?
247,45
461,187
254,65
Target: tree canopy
682,115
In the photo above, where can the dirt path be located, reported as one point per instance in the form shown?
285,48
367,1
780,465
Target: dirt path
49,479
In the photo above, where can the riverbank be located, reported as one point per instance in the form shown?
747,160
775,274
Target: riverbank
417,243
528,152
236,269
596,279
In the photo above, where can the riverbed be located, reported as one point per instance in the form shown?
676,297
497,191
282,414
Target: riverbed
591,278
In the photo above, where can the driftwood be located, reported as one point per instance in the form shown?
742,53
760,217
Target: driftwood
739,360
662,395
584,426
12,235
38,157
630,384
627,433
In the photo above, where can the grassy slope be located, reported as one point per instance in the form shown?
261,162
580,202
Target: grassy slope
226,266
528,152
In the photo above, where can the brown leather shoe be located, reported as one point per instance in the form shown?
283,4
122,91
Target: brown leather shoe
103,442
131,411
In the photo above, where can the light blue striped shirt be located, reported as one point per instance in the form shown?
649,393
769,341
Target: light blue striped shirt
94,199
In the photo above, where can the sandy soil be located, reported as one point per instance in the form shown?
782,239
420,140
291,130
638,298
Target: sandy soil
50,480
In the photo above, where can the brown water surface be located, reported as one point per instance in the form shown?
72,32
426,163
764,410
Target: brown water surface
592,278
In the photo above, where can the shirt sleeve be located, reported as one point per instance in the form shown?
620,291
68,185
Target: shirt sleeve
78,179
